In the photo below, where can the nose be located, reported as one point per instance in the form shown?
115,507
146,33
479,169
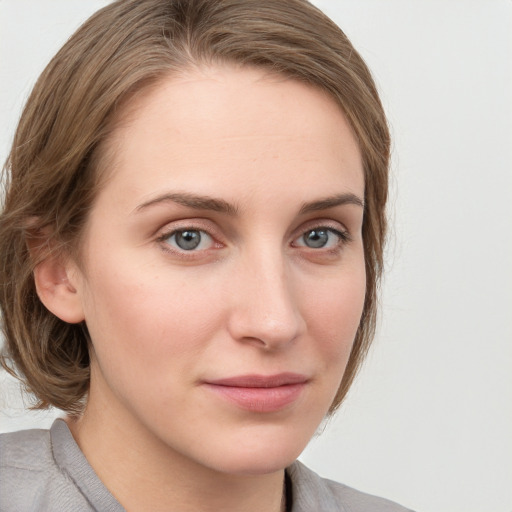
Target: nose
265,308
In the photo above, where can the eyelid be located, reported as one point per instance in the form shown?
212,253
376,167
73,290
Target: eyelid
193,224
333,248
330,224
204,238
210,229
343,238
201,225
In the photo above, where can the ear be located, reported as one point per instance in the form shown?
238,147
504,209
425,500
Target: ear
56,278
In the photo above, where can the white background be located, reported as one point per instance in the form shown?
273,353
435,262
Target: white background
429,421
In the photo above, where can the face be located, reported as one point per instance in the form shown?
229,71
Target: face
223,277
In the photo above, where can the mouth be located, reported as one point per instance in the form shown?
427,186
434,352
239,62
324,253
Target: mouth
260,393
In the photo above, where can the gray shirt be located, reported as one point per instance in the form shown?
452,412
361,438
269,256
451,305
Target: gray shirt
45,470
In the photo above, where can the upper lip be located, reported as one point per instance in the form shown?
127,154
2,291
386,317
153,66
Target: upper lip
260,381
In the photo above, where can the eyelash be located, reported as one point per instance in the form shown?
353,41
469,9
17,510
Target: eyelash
343,237
163,240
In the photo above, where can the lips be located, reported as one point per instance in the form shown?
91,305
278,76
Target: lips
260,393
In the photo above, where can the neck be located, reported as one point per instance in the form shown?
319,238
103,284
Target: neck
144,474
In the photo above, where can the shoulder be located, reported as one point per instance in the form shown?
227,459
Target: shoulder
30,479
312,493
25,456
27,449
26,464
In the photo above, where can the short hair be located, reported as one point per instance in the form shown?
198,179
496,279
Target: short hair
53,170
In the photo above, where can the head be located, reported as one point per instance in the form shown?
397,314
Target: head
65,147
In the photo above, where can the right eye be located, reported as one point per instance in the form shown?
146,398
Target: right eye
188,240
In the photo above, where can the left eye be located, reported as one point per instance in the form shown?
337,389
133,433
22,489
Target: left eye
320,238
189,239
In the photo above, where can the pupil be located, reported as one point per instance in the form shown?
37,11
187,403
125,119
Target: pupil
316,238
188,240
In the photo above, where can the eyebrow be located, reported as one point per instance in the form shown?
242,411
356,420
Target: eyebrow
332,202
199,202
194,201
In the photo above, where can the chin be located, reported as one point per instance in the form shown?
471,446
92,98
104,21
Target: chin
251,465
269,455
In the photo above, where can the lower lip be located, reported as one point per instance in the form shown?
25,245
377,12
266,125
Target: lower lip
260,399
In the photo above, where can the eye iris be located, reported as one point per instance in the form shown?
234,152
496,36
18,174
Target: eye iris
316,238
188,240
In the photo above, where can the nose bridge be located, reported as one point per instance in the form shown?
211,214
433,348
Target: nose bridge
266,308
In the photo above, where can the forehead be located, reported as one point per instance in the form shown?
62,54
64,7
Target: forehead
211,125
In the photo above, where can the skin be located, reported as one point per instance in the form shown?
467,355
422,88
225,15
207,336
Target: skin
253,298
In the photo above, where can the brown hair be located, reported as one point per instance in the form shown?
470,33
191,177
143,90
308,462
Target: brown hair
53,170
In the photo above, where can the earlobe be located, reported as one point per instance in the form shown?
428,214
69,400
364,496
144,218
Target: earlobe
55,279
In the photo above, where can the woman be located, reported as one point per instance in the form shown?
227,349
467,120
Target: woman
191,244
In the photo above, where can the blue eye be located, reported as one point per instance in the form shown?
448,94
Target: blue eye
189,239
321,238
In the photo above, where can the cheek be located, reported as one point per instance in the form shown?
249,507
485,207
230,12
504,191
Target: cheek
334,314
144,320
